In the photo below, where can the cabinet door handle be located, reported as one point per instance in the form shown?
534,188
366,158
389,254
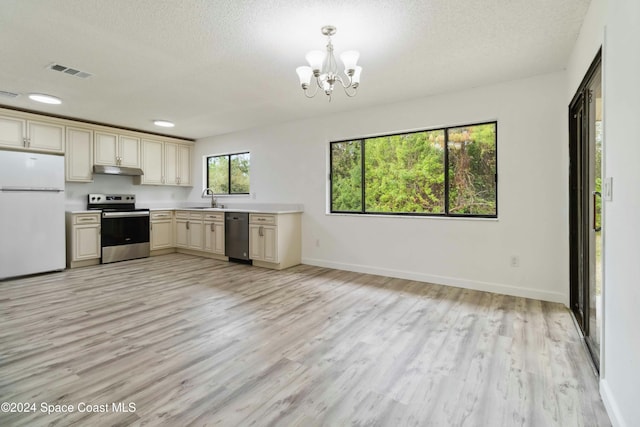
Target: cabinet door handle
187,225
213,228
261,231
151,226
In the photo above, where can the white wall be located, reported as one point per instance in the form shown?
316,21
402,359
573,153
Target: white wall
289,165
146,195
622,246
590,39
616,25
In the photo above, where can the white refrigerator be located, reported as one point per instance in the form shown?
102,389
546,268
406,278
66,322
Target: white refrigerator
32,226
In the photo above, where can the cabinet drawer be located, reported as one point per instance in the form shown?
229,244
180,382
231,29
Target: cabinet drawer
263,219
215,216
86,219
182,214
160,215
188,215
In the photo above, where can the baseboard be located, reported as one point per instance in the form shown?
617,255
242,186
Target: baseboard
610,405
497,288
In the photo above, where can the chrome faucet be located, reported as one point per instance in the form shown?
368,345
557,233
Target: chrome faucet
209,192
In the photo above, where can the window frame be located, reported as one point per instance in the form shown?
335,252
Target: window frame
228,156
446,213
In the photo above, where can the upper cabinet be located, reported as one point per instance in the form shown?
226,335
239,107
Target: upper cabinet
31,135
166,163
79,155
178,164
117,150
152,162
163,159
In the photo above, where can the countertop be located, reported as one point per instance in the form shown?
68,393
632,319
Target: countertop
275,211
264,211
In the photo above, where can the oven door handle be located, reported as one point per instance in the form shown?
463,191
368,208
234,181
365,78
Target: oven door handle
124,214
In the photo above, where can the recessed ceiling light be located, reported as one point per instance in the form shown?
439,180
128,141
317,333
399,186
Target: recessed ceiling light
163,123
45,99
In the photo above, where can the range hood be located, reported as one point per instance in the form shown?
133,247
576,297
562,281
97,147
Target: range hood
117,170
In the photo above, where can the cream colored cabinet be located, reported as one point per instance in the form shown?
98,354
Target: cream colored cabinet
263,243
182,233
214,233
166,163
33,135
184,165
275,240
177,164
189,230
12,131
78,157
161,230
152,162
116,150
45,136
83,239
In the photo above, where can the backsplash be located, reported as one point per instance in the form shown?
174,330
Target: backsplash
76,193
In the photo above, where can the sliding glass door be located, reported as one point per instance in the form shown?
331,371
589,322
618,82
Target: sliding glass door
585,210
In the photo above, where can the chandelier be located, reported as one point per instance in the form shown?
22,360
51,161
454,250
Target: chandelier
323,66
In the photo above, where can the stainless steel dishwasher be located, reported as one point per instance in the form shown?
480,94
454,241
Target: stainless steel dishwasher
236,236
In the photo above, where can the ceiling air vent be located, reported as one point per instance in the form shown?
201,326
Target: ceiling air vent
8,94
69,70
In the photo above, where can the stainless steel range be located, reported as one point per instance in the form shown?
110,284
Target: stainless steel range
124,229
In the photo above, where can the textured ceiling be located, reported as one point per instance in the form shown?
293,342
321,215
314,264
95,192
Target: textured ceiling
218,66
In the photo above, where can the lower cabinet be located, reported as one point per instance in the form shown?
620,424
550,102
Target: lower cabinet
189,230
275,240
214,233
161,232
263,244
83,239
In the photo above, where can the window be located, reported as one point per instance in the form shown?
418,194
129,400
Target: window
228,173
446,172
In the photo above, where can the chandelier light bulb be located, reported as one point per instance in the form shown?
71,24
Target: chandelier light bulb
350,60
355,79
315,58
304,74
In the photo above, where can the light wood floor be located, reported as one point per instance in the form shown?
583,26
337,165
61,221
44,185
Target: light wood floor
194,341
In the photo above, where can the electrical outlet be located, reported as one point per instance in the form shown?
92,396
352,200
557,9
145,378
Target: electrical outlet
514,261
